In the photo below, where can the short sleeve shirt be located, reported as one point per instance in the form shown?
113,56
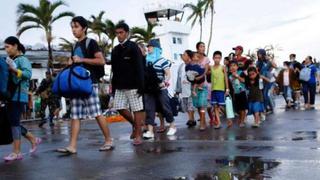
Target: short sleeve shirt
82,51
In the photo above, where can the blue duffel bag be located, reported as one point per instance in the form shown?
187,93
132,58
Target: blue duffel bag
73,82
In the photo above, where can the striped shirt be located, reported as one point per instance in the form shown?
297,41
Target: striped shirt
160,66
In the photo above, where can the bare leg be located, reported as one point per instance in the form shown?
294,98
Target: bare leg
105,129
162,125
202,114
257,118
75,129
17,146
128,116
217,114
191,115
138,118
31,138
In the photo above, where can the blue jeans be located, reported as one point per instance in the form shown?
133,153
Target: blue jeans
161,100
267,101
309,89
287,93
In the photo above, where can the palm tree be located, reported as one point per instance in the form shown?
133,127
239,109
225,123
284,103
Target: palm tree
66,45
197,14
209,6
142,35
42,16
110,30
96,26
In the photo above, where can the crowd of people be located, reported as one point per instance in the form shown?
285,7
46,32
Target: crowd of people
140,81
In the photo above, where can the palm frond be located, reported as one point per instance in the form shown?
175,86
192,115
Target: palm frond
24,28
61,15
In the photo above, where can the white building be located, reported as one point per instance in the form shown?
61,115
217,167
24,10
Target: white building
171,32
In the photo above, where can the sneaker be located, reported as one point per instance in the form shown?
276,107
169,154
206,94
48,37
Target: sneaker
34,149
172,131
148,135
263,117
256,125
13,157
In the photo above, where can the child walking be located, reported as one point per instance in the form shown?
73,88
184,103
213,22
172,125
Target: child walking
220,87
255,96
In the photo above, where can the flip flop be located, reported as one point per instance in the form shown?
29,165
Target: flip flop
161,130
137,142
66,151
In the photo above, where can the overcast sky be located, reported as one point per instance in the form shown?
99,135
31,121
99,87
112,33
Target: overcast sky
292,25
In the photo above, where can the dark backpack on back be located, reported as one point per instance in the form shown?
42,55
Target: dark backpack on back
99,70
151,80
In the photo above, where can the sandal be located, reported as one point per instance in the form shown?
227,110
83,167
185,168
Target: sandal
66,150
161,130
217,126
37,142
137,142
107,147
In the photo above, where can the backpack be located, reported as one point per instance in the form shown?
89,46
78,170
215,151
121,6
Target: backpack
73,82
99,70
4,76
305,74
7,86
151,79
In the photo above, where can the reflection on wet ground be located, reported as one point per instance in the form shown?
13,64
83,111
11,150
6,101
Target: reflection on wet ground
239,167
304,135
285,147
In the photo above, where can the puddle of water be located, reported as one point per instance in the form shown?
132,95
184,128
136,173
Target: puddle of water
239,167
162,150
304,135
255,148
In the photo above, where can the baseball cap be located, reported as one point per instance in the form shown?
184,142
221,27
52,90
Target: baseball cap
154,43
238,48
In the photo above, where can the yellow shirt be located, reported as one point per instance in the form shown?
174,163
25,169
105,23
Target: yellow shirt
217,79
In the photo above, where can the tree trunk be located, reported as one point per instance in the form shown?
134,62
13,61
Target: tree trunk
211,31
50,60
200,30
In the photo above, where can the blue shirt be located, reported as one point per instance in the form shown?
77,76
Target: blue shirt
24,65
238,86
313,74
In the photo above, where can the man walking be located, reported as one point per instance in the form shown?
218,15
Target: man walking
91,57
128,80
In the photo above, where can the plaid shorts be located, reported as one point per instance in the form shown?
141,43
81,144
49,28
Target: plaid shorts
86,107
128,98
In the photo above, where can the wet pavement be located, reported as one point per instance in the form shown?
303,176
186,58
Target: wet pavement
286,146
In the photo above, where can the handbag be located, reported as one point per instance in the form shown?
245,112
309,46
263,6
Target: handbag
229,108
73,82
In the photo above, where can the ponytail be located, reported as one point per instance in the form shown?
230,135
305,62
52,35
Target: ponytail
15,41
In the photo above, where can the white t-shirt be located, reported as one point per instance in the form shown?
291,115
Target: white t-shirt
185,84
286,78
